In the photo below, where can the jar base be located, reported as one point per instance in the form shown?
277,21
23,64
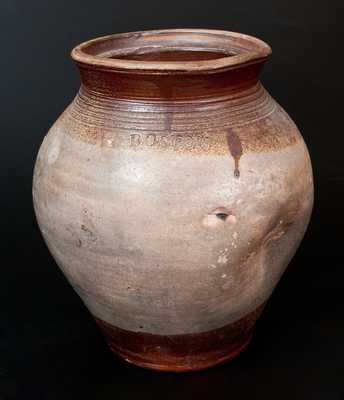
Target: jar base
183,352
183,364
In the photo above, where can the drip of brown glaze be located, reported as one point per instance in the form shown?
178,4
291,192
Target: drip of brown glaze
235,148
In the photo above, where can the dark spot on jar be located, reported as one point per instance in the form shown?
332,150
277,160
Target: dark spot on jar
222,216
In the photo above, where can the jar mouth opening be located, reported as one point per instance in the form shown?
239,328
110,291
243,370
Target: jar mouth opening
171,51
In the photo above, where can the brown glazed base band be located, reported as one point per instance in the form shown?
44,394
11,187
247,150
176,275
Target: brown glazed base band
181,353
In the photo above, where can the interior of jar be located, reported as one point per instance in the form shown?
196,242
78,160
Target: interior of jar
172,55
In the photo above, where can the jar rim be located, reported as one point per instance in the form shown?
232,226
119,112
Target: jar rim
117,52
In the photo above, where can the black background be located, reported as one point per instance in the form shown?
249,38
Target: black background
50,347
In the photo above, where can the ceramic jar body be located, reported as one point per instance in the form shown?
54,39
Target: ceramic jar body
172,215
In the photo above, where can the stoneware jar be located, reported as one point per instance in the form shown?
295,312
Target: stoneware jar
173,193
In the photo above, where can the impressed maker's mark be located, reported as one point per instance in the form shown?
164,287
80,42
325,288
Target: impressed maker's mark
171,142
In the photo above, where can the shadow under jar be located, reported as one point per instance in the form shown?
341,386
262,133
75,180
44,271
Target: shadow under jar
173,193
